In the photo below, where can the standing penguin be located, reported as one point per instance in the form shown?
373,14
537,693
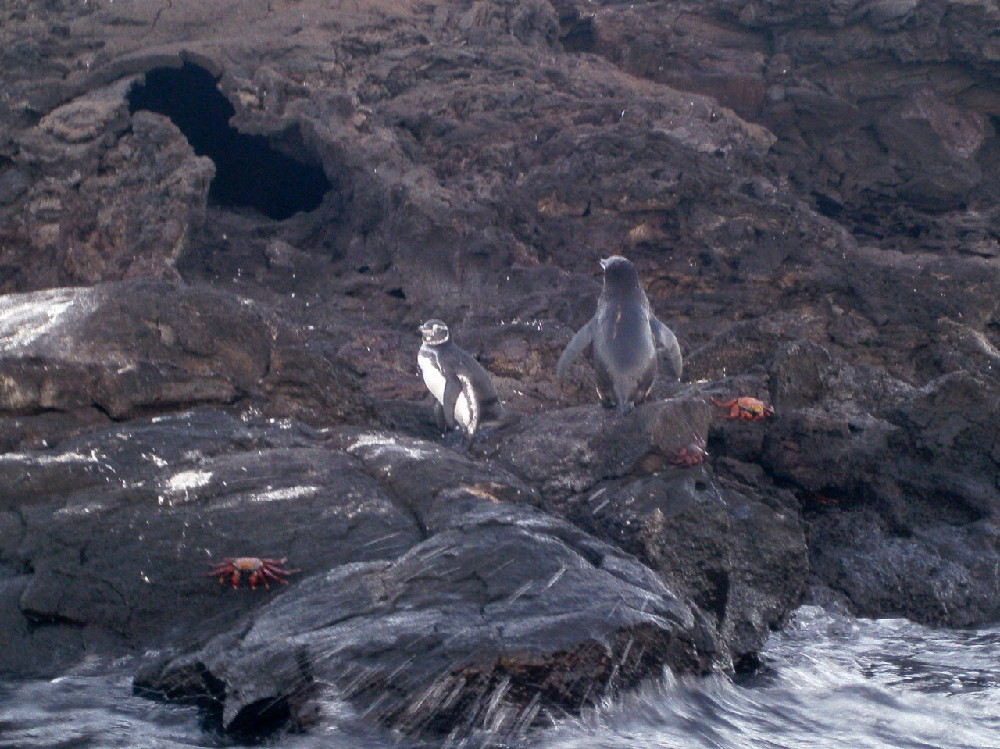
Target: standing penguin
623,334
463,391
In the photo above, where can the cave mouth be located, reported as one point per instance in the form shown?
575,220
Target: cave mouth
249,171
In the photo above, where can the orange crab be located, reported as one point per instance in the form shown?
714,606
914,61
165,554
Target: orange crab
260,570
746,408
691,454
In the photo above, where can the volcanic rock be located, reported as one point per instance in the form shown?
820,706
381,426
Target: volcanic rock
198,359
488,625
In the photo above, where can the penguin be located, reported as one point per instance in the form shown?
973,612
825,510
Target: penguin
463,391
623,334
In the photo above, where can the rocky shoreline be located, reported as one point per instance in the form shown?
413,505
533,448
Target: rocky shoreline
188,372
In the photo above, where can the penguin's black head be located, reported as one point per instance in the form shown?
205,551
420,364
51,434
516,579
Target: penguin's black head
619,272
434,332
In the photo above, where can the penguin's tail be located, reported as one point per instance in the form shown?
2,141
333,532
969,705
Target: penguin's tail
502,418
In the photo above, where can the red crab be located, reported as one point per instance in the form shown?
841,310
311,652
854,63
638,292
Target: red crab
746,408
260,570
691,454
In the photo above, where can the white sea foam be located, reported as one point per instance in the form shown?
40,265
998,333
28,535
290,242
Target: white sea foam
897,685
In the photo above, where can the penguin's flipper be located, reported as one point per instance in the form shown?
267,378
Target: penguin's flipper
583,338
452,389
668,340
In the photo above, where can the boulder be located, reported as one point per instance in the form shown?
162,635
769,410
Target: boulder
937,573
722,535
502,616
115,196
116,531
899,485
128,348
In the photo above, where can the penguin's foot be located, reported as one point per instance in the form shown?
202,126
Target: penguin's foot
457,440
486,431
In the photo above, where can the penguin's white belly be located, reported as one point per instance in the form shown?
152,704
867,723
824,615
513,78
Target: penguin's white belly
463,409
433,378
435,382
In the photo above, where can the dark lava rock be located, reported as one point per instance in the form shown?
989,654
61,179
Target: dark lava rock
808,189
567,452
114,531
939,573
900,483
502,615
126,348
884,112
119,198
134,347
492,623
733,544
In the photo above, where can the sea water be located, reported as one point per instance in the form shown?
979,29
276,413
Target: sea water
828,681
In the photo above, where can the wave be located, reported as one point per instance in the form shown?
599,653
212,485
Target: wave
828,681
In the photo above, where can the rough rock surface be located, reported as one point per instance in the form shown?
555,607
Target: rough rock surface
130,348
112,532
488,623
885,112
809,189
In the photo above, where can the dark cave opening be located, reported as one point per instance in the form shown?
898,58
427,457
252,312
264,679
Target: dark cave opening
249,172
576,32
